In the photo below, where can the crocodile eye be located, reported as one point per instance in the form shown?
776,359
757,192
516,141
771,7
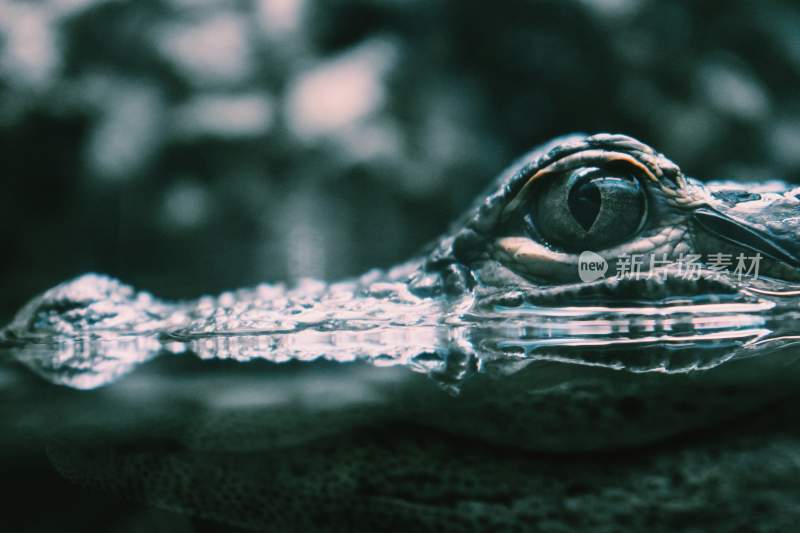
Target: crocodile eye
589,208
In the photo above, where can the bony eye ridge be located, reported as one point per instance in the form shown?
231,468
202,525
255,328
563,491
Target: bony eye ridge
587,208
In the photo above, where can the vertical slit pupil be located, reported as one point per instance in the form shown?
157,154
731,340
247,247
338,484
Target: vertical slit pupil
584,203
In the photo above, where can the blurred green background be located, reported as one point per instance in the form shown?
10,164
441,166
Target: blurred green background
192,146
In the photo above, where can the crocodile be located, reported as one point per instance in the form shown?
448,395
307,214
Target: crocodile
593,302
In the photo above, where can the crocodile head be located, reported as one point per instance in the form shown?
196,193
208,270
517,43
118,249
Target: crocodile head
595,250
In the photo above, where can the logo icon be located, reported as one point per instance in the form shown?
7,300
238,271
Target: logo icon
591,266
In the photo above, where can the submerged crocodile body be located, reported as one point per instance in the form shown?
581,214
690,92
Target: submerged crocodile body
595,299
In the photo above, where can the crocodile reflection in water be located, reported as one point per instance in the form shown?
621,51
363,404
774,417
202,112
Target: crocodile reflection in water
494,311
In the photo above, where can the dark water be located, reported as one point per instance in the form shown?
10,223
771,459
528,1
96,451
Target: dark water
399,410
